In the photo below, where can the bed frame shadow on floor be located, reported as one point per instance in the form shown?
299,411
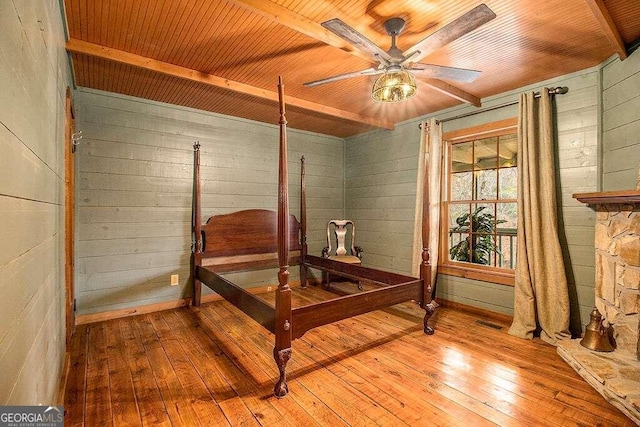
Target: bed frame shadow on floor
259,239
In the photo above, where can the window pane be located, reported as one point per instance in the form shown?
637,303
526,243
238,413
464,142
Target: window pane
485,154
461,160
507,227
507,251
483,243
461,186
483,216
459,247
508,150
508,183
508,216
459,211
486,184
459,232
484,249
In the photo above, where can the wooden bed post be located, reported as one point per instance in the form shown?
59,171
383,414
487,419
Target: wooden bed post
425,265
196,221
303,224
282,349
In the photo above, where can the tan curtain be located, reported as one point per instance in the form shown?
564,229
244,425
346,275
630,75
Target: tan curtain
541,292
431,152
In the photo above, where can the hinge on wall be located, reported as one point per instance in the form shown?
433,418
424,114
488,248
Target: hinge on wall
75,140
74,305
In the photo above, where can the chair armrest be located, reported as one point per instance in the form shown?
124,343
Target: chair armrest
359,251
325,252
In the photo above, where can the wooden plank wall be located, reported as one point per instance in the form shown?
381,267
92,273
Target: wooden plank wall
621,123
135,183
380,187
380,190
33,79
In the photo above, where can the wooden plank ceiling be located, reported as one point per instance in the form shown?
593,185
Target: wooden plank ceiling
225,56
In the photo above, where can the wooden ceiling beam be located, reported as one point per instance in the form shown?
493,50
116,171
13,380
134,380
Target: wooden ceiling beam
602,15
314,30
452,91
115,55
299,23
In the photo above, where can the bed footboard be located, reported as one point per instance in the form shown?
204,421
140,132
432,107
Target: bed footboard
311,316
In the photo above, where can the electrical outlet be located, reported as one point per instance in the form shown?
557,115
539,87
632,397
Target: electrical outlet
174,279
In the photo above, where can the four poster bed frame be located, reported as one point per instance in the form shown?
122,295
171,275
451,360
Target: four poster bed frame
250,240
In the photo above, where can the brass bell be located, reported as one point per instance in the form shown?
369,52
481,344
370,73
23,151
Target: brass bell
596,336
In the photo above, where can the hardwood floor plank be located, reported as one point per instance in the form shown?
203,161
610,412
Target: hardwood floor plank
528,392
150,403
123,398
325,385
507,382
425,391
319,412
342,337
259,399
249,361
98,400
75,394
202,402
504,386
214,366
178,406
257,346
531,398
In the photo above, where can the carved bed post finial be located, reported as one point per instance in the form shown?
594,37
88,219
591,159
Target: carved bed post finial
283,323
196,222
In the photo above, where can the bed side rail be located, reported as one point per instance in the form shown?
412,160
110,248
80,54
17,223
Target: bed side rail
252,306
356,272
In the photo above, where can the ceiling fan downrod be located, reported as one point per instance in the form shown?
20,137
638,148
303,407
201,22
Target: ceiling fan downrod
394,27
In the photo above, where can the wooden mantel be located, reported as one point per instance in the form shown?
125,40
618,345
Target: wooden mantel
602,197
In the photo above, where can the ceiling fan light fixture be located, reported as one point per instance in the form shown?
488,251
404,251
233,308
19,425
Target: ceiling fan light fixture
394,86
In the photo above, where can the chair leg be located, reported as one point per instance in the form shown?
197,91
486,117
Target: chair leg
326,279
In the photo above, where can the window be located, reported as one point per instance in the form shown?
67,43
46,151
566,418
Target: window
479,209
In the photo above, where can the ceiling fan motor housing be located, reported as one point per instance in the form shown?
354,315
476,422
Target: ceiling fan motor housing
394,26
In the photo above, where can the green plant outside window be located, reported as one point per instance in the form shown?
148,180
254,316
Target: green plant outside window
482,211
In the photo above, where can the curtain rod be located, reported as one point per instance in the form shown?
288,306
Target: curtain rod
559,90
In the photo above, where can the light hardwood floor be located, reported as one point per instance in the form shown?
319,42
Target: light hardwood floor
214,366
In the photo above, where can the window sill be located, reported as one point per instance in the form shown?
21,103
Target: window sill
500,276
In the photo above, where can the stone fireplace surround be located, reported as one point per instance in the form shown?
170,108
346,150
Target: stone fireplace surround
616,375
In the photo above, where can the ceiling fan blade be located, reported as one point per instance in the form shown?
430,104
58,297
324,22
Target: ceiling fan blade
367,72
455,29
445,73
356,39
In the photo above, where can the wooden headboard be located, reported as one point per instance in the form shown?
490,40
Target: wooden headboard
246,239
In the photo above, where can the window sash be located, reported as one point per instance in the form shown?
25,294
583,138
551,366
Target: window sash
490,273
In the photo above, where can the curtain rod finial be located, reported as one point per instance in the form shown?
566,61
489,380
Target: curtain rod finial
560,90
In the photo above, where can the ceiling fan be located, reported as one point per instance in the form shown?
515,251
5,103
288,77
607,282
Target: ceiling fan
396,83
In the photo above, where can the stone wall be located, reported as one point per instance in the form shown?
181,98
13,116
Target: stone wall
617,244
